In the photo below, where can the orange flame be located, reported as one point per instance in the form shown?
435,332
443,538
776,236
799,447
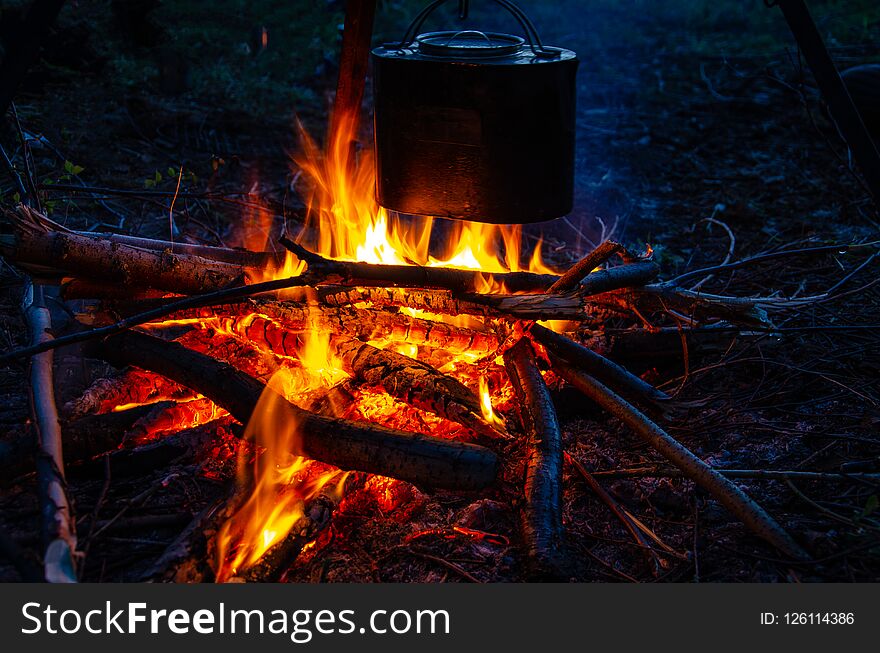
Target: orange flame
346,223
282,483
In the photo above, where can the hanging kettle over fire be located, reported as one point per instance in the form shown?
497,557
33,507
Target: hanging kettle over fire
475,125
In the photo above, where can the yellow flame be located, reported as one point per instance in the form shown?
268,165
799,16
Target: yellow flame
344,221
282,483
486,404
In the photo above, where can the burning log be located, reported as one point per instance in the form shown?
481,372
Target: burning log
722,488
272,565
542,514
130,388
444,302
58,525
370,274
414,382
419,459
170,418
393,326
36,240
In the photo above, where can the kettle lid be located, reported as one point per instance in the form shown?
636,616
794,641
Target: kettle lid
468,44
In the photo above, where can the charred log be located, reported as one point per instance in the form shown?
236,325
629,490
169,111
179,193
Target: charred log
542,513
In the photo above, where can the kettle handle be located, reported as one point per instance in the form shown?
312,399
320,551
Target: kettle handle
534,40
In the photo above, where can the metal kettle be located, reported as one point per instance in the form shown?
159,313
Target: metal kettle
475,125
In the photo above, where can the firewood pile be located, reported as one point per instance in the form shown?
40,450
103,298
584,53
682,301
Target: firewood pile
346,374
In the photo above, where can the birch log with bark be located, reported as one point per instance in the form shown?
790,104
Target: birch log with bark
58,526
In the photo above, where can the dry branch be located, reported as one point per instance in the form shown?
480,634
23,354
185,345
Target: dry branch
542,513
58,526
419,459
572,278
607,371
724,490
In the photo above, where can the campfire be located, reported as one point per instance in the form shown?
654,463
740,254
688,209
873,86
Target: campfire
369,356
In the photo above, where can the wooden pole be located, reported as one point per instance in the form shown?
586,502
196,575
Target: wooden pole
354,59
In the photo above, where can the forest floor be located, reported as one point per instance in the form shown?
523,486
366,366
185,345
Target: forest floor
699,132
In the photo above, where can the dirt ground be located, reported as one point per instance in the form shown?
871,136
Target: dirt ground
699,132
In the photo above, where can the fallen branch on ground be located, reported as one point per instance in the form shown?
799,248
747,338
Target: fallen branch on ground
542,512
726,492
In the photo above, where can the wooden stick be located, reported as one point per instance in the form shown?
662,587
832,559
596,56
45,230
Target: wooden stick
725,491
750,474
354,58
542,512
599,366
370,274
58,526
419,459
573,277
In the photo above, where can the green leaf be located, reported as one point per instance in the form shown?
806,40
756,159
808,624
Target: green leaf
158,176
72,169
149,183
171,172
16,197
